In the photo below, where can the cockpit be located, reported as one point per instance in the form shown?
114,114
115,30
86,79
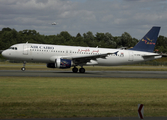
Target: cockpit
13,48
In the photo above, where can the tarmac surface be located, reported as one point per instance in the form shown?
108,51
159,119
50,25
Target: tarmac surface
102,74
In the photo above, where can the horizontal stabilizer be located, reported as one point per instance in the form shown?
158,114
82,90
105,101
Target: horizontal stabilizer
164,55
150,55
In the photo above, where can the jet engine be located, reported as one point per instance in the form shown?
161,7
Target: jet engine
60,63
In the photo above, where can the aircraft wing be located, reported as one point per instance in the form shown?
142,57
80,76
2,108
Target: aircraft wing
79,60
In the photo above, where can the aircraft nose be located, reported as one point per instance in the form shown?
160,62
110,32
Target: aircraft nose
4,53
1,51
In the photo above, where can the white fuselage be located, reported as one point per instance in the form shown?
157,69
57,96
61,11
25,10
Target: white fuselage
48,53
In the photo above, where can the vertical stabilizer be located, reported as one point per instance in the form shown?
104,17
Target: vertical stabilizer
148,42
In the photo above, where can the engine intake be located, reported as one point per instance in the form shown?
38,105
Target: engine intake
50,65
60,63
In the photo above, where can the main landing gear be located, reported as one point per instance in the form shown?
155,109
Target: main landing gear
81,70
24,64
75,70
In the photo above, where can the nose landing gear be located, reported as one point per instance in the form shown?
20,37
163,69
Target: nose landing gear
24,64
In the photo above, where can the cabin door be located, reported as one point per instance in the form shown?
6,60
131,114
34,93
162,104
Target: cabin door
25,50
131,56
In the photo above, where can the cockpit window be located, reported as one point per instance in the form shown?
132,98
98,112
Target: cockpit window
13,48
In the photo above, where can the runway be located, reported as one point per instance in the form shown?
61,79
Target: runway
95,74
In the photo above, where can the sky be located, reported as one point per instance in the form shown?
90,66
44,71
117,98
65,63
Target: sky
80,16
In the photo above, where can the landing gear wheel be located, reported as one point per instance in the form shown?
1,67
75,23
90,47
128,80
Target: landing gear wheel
75,70
82,70
24,64
23,68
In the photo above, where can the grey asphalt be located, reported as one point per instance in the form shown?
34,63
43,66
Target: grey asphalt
98,74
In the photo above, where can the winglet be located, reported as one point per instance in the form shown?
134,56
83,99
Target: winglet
116,53
148,42
113,53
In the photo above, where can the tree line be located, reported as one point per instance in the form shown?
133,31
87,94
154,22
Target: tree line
10,36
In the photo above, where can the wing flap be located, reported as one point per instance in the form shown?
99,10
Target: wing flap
84,59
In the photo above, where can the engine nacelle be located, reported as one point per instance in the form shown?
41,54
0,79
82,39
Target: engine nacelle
60,63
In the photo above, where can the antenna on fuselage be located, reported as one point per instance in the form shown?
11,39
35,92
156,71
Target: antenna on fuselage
27,42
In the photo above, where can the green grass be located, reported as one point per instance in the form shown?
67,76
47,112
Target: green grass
36,97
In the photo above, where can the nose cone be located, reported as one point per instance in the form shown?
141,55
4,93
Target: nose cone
1,51
4,53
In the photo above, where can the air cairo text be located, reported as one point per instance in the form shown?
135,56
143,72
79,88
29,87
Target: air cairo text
42,47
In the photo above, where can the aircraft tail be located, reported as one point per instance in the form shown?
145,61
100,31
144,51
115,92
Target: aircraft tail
148,42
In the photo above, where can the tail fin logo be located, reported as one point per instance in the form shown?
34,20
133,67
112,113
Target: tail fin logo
148,41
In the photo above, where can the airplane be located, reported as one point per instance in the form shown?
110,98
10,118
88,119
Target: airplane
54,23
60,56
